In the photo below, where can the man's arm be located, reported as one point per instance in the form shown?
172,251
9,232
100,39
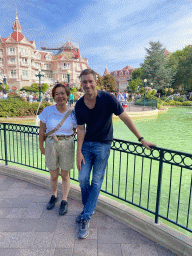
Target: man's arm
80,139
128,122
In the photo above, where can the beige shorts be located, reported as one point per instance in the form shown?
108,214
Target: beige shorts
59,154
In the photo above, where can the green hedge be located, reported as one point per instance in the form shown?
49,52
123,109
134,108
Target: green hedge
177,103
15,107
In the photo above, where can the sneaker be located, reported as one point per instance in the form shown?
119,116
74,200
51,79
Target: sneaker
52,203
83,229
78,218
63,207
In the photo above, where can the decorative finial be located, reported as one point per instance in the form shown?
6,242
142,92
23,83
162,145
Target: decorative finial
16,14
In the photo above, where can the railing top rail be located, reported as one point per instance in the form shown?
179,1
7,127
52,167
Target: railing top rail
181,159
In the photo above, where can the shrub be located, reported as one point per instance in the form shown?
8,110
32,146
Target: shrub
16,107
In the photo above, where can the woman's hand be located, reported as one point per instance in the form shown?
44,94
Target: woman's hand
42,150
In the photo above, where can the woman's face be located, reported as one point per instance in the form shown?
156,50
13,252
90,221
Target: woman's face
60,96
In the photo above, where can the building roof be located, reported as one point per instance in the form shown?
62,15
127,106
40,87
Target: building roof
16,35
16,25
106,71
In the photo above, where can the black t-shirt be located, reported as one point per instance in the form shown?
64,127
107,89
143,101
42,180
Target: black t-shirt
98,120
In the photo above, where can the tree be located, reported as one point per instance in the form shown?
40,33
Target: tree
180,63
100,85
109,83
155,66
137,73
134,84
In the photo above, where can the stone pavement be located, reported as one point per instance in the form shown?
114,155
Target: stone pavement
28,229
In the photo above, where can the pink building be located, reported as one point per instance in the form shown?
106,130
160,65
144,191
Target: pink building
20,61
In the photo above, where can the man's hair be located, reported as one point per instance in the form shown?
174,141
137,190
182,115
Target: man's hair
88,72
60,85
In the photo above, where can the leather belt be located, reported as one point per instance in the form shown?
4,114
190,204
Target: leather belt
60,137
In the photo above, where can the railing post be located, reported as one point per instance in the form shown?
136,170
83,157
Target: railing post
159,186
5,143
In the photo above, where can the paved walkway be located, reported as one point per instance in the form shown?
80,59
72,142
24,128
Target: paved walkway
28,229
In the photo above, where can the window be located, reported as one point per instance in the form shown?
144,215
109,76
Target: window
38,56
1,60
12,60
24,73
48,57
78,67
1,73
46,66
13,73
12,51
24,61
37,65
65,65
24,51
64,76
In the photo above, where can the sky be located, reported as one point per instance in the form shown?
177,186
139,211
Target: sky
112,33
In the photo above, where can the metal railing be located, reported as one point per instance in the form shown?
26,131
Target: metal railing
146,102
158,181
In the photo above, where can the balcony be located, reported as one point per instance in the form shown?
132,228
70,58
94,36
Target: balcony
24,54
11,53
24,64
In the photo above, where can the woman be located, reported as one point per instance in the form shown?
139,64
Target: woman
59,146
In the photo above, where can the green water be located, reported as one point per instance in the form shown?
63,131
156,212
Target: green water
171,130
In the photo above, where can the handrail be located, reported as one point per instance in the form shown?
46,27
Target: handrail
158,181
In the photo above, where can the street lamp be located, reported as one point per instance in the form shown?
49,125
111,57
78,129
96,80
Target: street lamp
68,76
39,75
4,79
151,85
145,82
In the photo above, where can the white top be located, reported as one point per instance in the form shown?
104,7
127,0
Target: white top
52,117
31,98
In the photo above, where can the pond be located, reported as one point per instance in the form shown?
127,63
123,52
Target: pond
171,130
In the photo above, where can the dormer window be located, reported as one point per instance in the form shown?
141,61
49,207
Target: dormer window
65,65
48,57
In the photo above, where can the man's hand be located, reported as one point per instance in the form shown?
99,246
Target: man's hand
80,159
147,144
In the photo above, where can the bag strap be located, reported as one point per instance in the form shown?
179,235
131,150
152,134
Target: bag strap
60,124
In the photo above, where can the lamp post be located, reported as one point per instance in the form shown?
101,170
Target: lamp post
145,82
151,85
4,79
68,76
39,75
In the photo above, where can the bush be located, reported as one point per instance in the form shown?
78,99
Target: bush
16,107
28,89
181,99
13,94
4,85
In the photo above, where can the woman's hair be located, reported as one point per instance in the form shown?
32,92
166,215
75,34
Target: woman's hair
60,85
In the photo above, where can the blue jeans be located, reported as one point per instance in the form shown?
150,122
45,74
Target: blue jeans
96,155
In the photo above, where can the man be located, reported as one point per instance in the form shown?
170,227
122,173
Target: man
95,110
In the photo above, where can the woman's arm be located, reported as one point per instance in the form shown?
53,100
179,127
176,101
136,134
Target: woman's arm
41,137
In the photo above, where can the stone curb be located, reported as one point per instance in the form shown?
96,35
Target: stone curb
164,235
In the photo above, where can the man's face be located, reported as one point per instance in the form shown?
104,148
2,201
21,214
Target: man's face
89,84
